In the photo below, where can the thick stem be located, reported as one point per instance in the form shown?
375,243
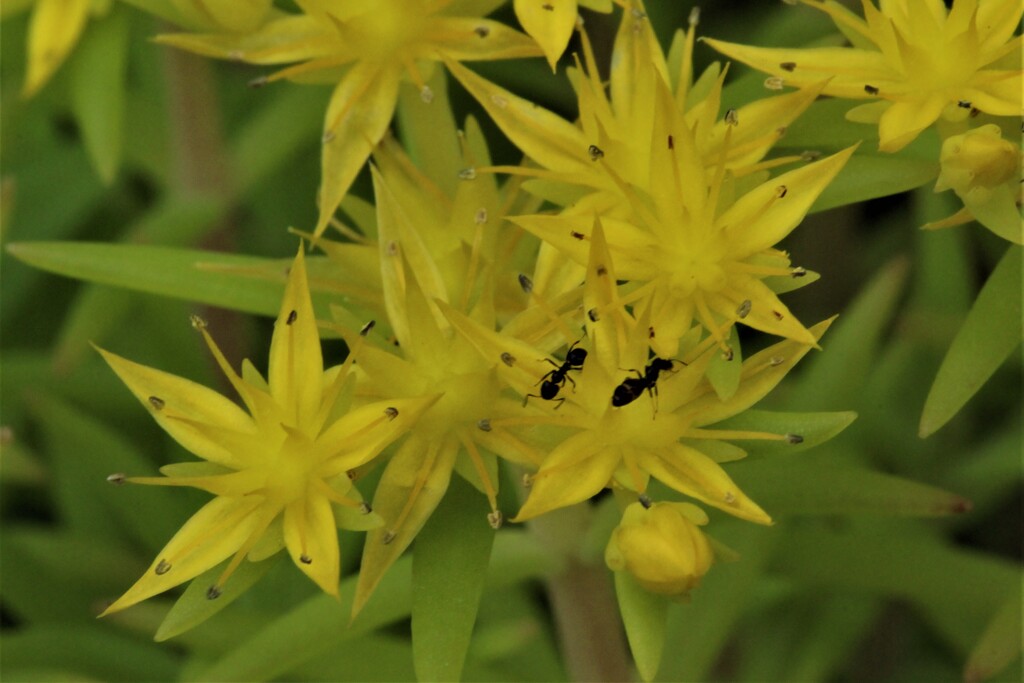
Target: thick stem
583,601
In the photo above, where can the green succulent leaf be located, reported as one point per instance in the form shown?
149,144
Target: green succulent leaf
643,614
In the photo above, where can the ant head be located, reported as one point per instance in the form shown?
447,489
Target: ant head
664,363
576,357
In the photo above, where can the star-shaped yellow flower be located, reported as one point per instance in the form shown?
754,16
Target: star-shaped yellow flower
366,48
675,184
279,471
919,60
608,429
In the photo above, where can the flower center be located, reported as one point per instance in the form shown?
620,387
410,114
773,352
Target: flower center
384,31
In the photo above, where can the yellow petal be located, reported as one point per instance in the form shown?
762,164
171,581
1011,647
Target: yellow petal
168,395
550,23
296,363
289,39
240,16
311,536
211,535
410,489
357,118
53,30
905,119
545,137
466,39
762,217
576,470
692,473
767,312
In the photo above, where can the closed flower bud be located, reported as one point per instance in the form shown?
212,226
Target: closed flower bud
662,547
979,158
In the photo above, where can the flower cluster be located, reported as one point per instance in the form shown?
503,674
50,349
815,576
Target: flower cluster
572,319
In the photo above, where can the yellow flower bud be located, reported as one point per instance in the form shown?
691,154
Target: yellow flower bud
979,158
661,546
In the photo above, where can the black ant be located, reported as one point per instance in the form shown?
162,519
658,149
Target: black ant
632,387
552,383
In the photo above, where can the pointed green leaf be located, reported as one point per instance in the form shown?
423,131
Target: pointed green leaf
194,607
867,176
98,75
449,567
804,486
988,336
643,614
1000,644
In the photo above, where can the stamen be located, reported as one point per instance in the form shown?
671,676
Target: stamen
499,101
781,191
162,567
870,89
694,17
481,471
788,66
774,83
732,117
388,537
577,235
305,559
744,309
776,361
733,435
292,317
258,82
508,359
474,258
810,155
331,395
525,283
727,353
777,314
481,216
197,322
794,439
467,174
645,501
157,402
426,94
117,478
595,152
365,508
799,272
729,497
213,592
964,104
484,425
426,466
365,329
482,31
495,519
527,480
593,315
391,412
708,321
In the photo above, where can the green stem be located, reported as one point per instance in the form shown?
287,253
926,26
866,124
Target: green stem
583,602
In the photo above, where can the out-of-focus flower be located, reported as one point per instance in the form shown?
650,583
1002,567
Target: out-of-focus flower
279,471
366,48
984,171
917,59
662,547
53,31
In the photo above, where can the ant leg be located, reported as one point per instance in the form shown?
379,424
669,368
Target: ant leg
572,382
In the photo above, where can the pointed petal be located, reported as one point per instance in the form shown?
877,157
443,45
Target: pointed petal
691,472
550,23
576,470
290,39
905,119
296,362
357,118
165,394
414,481
311,536
761,218
761,373
767,312
53,30
467,39
543,136
211,535
364,432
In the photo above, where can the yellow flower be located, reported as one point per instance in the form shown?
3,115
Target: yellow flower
985,172
551,22
279,471
662,547
917,59
650,419
681,190
366,48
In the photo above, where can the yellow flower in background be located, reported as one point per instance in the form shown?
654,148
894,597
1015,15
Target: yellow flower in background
279,471
366,48
682,191
624,416
662,547
984,171
919,60
551,22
